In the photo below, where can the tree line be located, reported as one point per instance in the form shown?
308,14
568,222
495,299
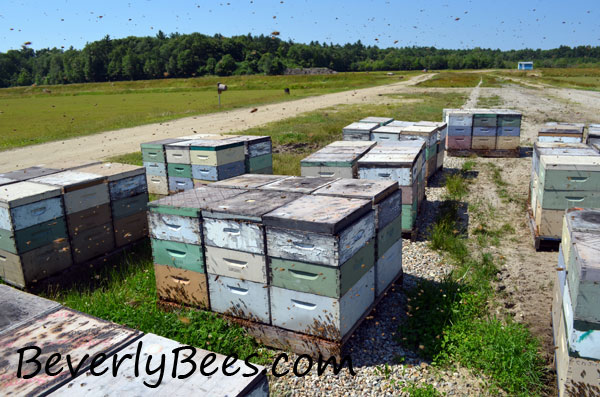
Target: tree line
188,55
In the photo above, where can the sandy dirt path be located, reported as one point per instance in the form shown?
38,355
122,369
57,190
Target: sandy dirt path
127,140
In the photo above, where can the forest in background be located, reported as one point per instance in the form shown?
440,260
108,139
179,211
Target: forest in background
190,55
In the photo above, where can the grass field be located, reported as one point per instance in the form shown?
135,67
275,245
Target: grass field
579,78
462,79
30,115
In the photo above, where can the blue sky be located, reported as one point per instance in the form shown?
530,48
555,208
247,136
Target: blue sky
504,24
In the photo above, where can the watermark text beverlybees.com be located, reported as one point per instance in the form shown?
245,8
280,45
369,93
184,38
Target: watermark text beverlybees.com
184,364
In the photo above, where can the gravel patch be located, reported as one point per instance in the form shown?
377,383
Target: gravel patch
383,366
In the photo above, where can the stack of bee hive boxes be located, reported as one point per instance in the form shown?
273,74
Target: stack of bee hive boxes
359,131
338,159
34,242
487,132
377,120
404,163
561,132
302,256
58,218
575,312
563,176
128,193
174,165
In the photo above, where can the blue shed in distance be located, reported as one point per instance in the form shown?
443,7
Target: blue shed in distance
525,66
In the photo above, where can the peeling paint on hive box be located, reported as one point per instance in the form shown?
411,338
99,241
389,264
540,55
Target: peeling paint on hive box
64,331
236,264
321,316
153,348
239,298
175,228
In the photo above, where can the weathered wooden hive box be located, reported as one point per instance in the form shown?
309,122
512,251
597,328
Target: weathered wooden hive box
402,163
321,252
335,160
460,128
565,182
561,132
248,181
401,123
509,129
177,245
87,207
593,133
128,199
62,331
358,131
236,253
19,308
430,134
179,165
484,130
155,162
215,160
386,200
386,133
552,148
298,184
243,382
575,312
258,153
378,120
34,242
442,132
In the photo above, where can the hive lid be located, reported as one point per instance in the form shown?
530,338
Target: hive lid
298,184
157,348
114,171
214,145
19,307
160,143
578,163
248,181
419,129
249,139
249,206
62,331
412,145
586,247
583,220
332,159
378,120
205,136
388,160
438,124
70,180
368,127
193,201
366,189
29,173
388,129
21,193
400,123
357,144
5,181
318,214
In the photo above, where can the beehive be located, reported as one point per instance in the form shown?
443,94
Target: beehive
155,162
177,244
359,131
386,200
34,242
335,160
561,132
236,253
378,120
429,133
258,153
298,184
323,245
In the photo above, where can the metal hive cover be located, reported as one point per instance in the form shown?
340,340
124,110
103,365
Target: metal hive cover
359,188
583,220
5,181
248,181
389,129
251,139
29,173
379,120
63,331
114,171
319,214
19,307
298,184
368,127
70,179
400,123
250,205
21,193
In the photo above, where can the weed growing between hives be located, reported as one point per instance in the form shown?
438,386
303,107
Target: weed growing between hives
450,322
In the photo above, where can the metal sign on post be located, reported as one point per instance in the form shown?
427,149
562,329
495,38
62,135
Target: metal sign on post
220,89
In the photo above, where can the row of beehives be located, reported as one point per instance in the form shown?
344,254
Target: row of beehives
387,130
29,321
563,175
575,309
306,254
569,133
402,161
51,219
483,129
174,165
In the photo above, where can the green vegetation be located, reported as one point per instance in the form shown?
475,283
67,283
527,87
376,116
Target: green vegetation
31,115
124,291
493,101
462,79
421,391
189,55
450,322
579,78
